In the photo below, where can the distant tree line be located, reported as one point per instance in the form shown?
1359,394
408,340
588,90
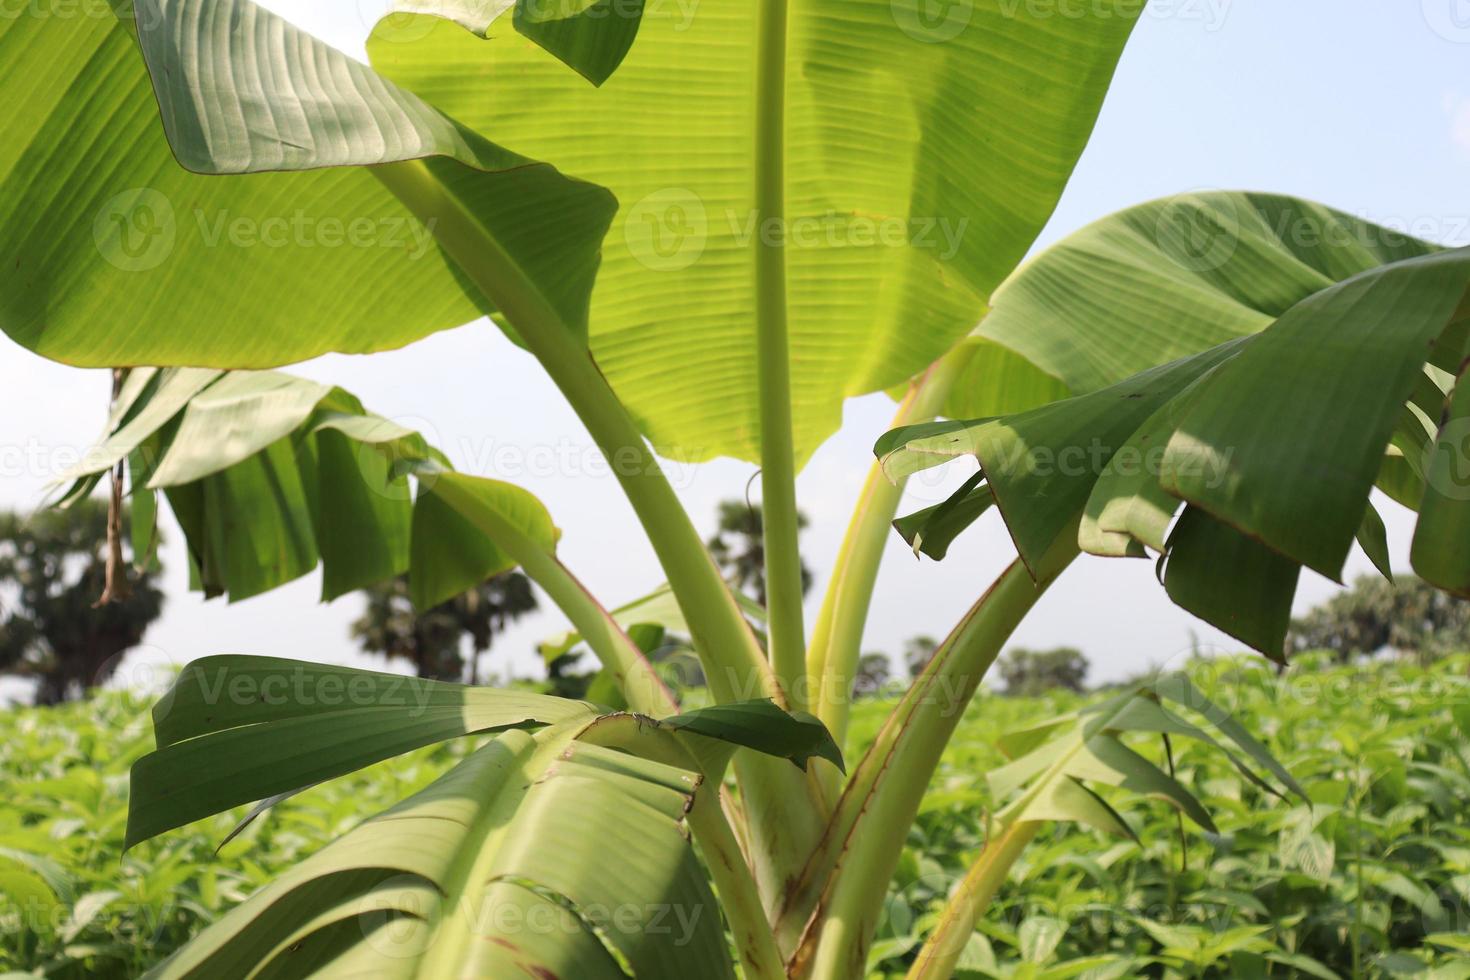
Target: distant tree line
53,567
1407,616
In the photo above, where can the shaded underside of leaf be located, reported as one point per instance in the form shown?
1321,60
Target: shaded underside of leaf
451,549
235,729
590,36
270,475
1441,547
1273,437
1286,440
763,726
932,530
1041,465
1231,581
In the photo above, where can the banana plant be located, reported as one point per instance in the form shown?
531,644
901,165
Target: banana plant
709,228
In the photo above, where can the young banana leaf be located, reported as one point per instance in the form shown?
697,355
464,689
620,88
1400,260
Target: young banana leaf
492,870
537,855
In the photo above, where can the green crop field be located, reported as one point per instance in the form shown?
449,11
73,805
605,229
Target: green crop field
1371,880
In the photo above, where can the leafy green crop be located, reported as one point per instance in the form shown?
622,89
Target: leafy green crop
1372,879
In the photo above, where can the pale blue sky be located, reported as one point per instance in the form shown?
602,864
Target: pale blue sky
1361,104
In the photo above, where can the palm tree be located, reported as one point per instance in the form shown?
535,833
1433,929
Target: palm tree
431,639
739,549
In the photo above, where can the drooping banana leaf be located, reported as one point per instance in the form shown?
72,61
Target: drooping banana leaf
1151,284
1273,437
118,249
1307,453
270,475
1040,466
1440,552
921,157
234,730
932,530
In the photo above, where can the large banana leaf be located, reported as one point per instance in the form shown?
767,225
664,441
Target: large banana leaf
113,253
1273,439
271,474
922,157
903,212
1153,283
